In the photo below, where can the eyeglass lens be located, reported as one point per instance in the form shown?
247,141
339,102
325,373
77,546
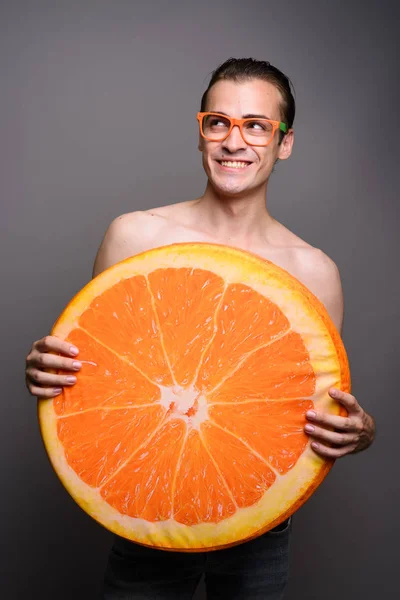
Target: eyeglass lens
255,131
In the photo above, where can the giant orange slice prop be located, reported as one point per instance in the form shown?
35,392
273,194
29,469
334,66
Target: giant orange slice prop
185,428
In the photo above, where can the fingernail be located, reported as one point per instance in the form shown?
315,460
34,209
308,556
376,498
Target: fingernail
309,428
314,445
71,379
57,391
333,392
311,414
73,350
77,365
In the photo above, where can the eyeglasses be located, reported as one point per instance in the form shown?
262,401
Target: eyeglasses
255,132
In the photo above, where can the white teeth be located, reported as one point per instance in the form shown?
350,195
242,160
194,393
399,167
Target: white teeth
235,164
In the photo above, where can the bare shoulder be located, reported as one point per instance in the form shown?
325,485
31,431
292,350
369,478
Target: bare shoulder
138,231
321,275
148,222
176,214
128,234
314,262
141,224
314,268
307,261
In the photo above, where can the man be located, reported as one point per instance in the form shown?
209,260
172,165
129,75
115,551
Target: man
245,126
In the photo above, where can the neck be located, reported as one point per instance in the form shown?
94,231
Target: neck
236,219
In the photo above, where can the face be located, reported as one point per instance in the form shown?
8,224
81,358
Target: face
238,100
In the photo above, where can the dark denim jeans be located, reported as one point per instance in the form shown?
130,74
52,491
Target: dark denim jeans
257,569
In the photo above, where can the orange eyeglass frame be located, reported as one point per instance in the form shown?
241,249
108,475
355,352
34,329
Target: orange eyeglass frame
239,122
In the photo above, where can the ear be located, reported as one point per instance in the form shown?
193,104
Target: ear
285,149
200,145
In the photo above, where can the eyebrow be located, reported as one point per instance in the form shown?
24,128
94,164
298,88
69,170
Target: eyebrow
248,116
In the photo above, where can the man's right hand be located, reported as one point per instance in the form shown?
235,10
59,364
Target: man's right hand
50,353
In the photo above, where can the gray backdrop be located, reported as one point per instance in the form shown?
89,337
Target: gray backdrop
79,83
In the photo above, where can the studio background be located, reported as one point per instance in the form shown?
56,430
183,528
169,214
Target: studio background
98,118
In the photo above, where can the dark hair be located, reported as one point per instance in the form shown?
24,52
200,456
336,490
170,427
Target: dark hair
242,69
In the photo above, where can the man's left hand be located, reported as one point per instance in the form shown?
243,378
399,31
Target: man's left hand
347,435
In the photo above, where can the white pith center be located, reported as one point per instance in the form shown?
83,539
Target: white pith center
185,403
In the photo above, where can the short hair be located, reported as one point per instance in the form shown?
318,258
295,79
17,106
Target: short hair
245,69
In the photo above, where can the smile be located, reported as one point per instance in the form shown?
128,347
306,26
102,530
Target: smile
233,164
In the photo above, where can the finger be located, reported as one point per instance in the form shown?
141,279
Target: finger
44,379
332,437
327,452
39,360
347,424
51,343
347,400
44,392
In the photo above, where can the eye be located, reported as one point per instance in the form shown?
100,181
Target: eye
215,122
262,129
258,125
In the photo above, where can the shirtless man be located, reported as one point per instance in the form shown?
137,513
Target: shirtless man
238,159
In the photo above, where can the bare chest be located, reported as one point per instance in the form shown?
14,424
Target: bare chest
288,258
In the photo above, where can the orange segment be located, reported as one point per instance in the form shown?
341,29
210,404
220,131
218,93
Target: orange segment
123,319
245,320
201,495
279,370
279,436
186,301
104,380
100,441
247,476
143,487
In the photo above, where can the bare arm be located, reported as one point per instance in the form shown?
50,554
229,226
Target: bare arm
330,291
336,436
321,275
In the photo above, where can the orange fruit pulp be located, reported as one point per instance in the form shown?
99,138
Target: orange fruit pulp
185,428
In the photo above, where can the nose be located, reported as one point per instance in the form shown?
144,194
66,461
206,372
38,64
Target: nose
234,141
